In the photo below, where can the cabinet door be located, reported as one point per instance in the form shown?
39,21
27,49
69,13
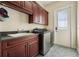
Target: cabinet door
21,4
28,6
46,18
35,17
35,13
0,49
17,3
0,52
17,51
33,48
41,15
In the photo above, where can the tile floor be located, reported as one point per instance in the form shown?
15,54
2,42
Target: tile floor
60,51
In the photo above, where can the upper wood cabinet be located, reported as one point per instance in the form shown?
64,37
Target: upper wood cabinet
40,16
23,6
17,3
35,18
45,17
28,6
36,13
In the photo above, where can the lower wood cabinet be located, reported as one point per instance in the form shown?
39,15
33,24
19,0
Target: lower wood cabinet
33,48
0,49
20,47
0,52
17,51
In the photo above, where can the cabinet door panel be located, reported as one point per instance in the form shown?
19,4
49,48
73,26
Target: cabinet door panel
33,48
17,3
0,52
41,15
17,51
0,49
46,18
35,13
28,6
13,42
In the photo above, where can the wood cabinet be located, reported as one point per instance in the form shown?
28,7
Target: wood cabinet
20,47
0,50
28,6
16,51
39,15
22,6
35,17
33,47
36,13
17,3
45,17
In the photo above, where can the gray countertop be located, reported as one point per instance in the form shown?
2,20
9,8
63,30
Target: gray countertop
2,38
5,38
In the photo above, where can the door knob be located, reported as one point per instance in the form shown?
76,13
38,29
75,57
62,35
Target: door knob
55,28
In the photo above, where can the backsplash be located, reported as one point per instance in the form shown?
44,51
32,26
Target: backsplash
17,21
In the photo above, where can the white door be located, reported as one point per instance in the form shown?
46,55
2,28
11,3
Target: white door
62,27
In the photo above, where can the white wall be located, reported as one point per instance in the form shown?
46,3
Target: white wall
54,6
16,20
78,26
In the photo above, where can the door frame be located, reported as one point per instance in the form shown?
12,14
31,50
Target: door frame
55,12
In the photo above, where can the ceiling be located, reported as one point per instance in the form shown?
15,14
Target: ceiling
45,3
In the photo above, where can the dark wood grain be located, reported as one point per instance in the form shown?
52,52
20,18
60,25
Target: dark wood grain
36,13
17,51
40,16
18,5
33,47
0,50
20,47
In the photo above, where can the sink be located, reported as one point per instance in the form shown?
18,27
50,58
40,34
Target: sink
20,34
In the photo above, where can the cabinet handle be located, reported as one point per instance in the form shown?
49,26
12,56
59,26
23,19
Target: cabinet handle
38,20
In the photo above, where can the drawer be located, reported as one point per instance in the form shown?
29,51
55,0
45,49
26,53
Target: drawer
32,39
13,42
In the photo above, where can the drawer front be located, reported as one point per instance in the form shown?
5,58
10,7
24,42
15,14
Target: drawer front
32,39
17,51
16,41
13,42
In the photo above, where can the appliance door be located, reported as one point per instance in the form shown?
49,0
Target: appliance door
46,42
